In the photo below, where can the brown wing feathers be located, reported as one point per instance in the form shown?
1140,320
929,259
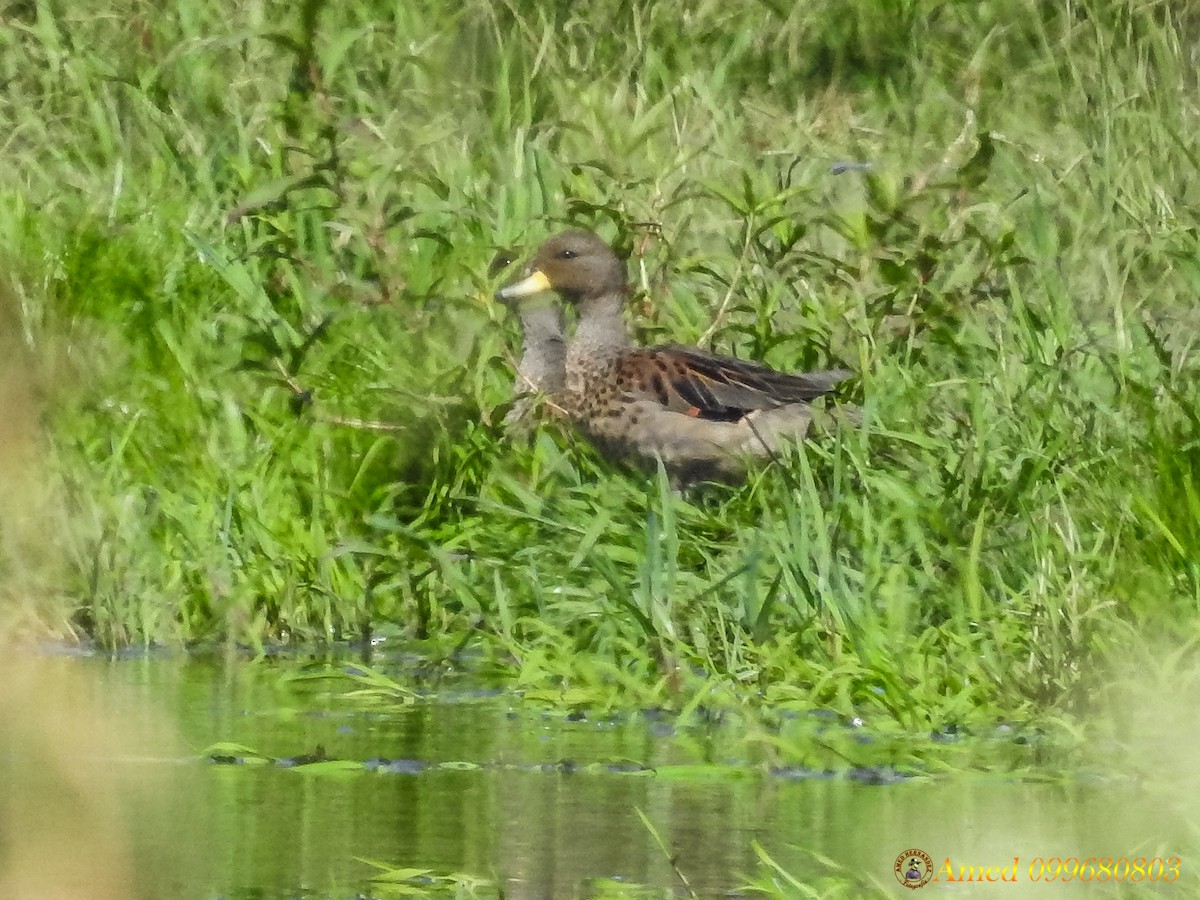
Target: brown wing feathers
741,382
706,386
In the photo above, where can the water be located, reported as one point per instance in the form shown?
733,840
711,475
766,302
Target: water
486,787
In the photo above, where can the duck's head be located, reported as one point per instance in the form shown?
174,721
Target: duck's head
574,264
541,315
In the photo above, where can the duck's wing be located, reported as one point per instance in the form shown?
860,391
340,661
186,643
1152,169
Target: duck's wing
707,386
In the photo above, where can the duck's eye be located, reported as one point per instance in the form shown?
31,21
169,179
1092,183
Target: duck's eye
567,254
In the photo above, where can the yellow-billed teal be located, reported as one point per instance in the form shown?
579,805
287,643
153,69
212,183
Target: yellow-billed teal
542,366
700,413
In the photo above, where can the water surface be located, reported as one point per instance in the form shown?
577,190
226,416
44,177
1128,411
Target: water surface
477,783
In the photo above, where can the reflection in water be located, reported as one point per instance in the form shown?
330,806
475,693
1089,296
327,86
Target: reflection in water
269,832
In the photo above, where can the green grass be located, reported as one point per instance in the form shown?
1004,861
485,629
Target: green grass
243,245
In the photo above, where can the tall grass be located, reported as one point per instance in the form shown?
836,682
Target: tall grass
257,232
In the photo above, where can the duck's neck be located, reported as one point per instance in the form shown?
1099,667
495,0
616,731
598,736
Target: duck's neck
600,336
543,351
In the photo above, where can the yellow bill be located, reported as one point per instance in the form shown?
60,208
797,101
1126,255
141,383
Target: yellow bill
537,283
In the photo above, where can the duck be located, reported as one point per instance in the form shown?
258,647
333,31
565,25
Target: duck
703,416
541,370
